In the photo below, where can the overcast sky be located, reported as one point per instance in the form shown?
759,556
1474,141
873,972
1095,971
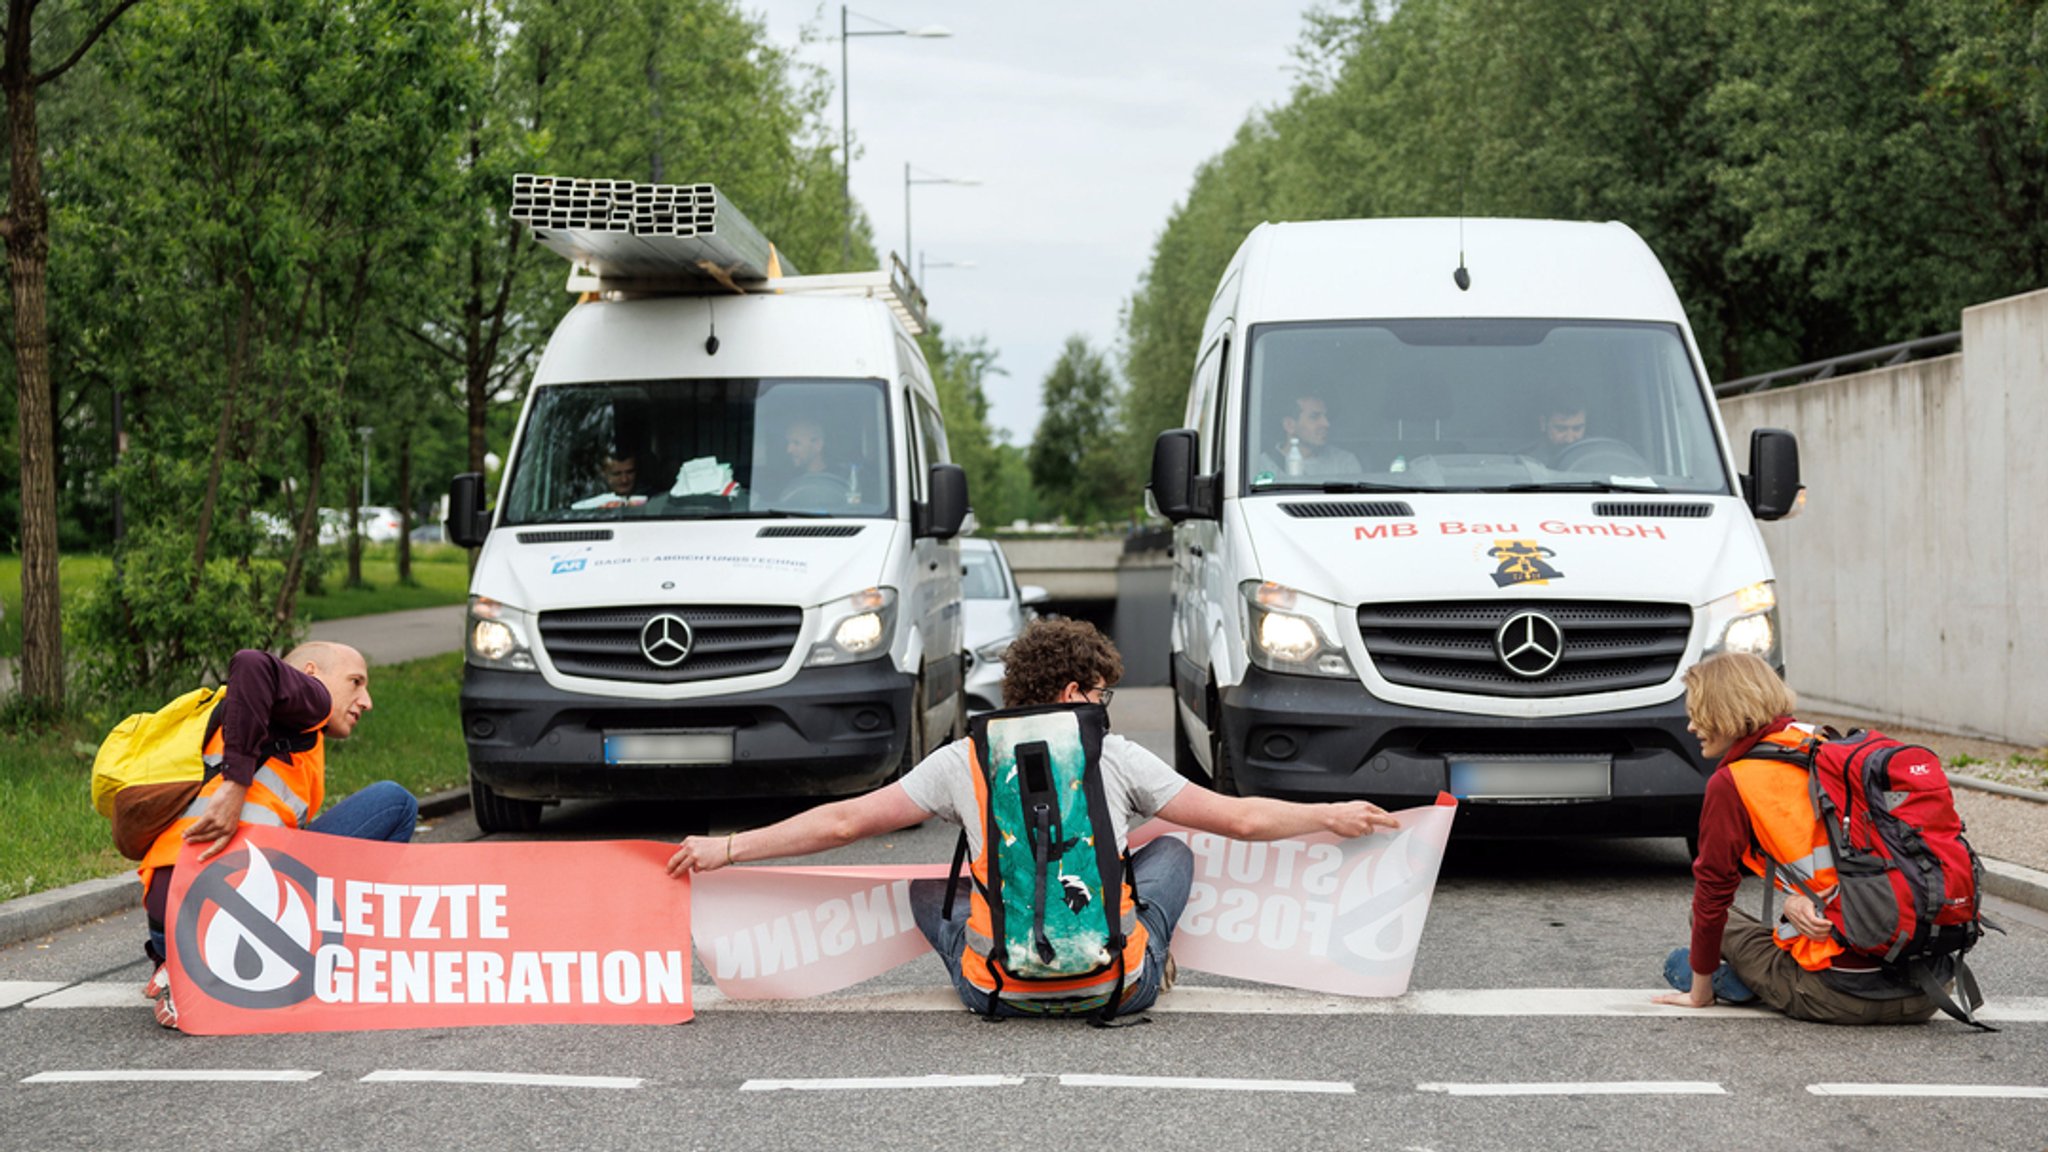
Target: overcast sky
1084,122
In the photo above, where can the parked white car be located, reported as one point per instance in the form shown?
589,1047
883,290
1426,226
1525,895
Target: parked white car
994,610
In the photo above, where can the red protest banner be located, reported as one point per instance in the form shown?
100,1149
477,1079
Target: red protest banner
298,932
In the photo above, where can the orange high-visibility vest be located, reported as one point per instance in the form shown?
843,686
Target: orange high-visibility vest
287,791
982,944
1785,828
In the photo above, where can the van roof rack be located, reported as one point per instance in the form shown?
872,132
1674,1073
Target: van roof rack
626,238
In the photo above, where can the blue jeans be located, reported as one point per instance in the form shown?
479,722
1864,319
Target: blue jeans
383,811
1727,985
1161,874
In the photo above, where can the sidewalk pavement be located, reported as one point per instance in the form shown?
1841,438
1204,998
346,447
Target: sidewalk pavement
395,637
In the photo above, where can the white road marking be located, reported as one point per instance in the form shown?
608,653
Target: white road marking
1582,1088
13,992
875,1083
1206,1084
1991,1091
127,994
177,1075
1183,1000
516,1079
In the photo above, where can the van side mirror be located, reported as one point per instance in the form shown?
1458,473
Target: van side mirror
1179,493
1032,595
942,515
468,523
1772,487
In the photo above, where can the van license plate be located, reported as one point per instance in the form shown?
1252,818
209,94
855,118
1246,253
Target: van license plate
668,748
1561,780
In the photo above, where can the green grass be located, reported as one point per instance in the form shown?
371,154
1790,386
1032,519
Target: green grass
75,573
440,573
413,735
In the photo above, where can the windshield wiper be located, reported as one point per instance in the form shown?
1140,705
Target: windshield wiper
1337,486
1573,486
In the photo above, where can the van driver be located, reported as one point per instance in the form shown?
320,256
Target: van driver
812,484
1305,435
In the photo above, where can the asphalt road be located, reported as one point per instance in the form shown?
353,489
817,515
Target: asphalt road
1533,978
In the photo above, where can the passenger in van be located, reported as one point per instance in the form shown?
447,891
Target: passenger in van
1054,661
1735,701
813,483
1303,447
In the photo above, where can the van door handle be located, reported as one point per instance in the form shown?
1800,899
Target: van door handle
1195,550
935,565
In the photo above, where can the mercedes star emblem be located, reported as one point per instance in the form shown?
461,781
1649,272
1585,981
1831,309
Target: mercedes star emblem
665,640
1530,644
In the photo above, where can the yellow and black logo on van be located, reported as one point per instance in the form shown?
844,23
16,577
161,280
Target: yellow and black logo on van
1522,562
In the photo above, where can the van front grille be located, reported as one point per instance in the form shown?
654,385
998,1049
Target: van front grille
1449,645
724,641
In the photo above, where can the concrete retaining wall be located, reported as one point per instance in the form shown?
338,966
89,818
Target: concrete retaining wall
1914,586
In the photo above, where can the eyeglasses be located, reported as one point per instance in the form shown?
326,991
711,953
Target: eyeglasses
1102,695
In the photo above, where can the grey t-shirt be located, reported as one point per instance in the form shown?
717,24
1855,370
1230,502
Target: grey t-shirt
1136,783
1328,462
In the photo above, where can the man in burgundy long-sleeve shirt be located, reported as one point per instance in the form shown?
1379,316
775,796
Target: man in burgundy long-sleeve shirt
276,709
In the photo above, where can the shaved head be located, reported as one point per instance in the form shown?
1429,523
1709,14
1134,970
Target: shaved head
347,677
325,655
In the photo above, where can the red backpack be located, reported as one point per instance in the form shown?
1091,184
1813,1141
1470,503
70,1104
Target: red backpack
1909,881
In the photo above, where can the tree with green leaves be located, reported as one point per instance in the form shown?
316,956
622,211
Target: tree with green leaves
1076,456
25,228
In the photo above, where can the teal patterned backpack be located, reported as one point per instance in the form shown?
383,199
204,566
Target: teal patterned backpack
1053,924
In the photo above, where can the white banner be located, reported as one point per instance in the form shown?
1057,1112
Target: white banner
1317,913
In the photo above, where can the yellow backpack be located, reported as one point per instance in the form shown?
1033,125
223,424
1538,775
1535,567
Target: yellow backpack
161,747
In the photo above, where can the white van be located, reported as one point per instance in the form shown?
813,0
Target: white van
721,562
1454,512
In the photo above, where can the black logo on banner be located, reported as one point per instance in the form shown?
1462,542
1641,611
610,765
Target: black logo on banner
256,950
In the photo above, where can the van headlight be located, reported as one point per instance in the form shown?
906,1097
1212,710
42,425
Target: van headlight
494,636
1745,621
856,628
1290,631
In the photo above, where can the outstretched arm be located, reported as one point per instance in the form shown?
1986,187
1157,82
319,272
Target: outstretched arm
1263,818
826,826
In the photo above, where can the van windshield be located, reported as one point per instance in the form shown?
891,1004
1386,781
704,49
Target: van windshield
699,449
1476,405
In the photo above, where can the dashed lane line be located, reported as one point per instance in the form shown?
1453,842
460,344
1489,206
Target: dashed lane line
172,1075
515,1079
1987,1091
1207,1084
1487,1002
14,992
880,1083
1581,1088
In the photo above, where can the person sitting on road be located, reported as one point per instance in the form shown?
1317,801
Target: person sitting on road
1054,661
266,758
814,484
1303,449
1735,701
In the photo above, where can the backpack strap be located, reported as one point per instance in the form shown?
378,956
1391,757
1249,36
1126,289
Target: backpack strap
953,877
1966,984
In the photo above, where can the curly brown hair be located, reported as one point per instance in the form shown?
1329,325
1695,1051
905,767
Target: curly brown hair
1053,652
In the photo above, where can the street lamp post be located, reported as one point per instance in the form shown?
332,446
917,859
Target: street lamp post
909,248
928,32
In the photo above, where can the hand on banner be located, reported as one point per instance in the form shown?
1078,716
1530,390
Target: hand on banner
223,815
1358,818
1811,924
700,854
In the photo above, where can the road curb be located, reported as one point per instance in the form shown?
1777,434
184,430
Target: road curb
59,908
1996,788
2017,883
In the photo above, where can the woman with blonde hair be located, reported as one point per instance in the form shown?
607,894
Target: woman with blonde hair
1758,814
